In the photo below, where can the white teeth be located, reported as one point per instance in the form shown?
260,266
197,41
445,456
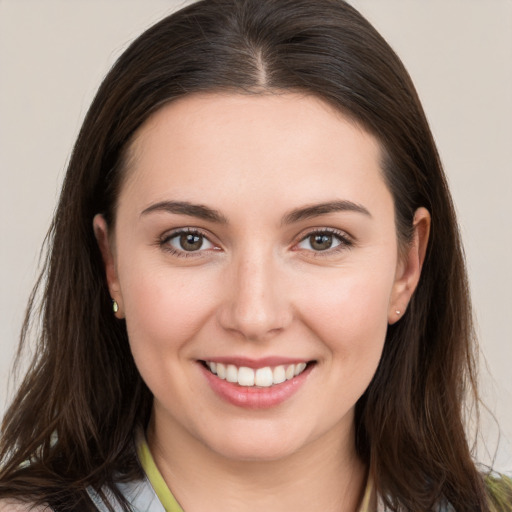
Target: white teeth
279,374
221,371
261,377
231,373
299,368
264,377
245,376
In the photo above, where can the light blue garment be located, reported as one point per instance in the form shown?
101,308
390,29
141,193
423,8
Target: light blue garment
139,494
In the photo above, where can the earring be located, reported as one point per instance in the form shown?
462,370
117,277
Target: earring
398,312
115,306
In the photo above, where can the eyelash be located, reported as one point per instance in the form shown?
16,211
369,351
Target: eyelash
345,242
164,242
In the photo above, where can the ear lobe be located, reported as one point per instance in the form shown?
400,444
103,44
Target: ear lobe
410,265
105,244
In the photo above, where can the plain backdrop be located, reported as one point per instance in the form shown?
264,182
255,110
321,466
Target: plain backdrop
54,53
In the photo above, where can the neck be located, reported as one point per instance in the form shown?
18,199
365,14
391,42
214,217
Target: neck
325,475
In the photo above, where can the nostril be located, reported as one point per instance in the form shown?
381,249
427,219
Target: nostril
255,323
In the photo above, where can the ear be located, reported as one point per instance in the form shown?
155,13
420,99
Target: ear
107,250
409,266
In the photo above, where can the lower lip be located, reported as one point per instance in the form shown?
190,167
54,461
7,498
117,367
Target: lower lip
254,397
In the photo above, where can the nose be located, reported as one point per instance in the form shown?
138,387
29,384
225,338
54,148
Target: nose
256,304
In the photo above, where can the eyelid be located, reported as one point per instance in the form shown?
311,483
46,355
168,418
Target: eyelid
168,235
346,240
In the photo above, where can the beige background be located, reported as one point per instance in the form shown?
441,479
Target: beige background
54,53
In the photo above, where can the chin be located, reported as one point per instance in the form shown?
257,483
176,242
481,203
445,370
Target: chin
256,452
264,442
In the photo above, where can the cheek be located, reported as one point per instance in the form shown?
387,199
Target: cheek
350,315
164,308
350,318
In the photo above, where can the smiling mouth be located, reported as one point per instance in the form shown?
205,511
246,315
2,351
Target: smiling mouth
265,377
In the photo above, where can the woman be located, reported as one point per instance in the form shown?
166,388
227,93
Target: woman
255,295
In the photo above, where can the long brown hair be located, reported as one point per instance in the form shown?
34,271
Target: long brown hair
72,422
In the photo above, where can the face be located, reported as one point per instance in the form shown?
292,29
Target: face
255,260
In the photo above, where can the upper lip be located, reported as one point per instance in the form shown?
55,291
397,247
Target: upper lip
256,363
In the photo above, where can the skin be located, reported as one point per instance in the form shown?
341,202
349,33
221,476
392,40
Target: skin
257,288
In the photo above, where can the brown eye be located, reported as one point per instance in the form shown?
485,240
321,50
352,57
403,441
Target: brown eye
188,241
324,241
321,241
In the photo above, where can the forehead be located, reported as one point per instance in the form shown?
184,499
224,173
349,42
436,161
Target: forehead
274,112
226,145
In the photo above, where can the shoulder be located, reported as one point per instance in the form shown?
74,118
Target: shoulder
11,505
499,491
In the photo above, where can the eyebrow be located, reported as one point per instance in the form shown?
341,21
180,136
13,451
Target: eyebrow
315,210
206,213
185,208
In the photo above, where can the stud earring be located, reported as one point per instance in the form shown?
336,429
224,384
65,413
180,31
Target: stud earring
115,306
398,312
